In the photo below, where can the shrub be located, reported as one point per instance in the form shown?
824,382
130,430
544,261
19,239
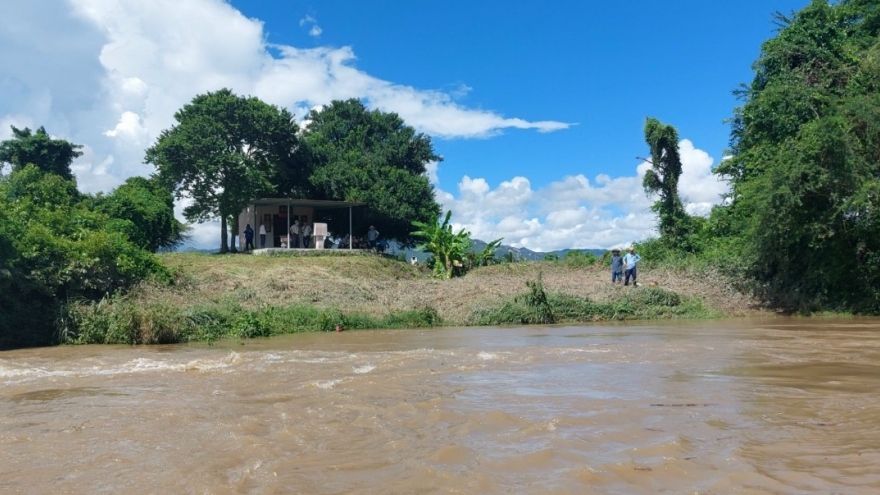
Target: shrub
535,306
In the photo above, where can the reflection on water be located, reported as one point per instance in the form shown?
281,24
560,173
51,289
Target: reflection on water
738,406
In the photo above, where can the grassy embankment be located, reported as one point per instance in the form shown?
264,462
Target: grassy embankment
241,296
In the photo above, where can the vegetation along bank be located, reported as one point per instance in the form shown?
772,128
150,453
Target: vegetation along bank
241,296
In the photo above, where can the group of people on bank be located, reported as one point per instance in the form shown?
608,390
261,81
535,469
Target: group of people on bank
249,237
368,241
624,266
301,237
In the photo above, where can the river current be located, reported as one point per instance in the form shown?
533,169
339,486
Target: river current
779,406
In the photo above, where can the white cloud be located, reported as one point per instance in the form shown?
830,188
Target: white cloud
312,23
575,212
431,172
698,187
130,127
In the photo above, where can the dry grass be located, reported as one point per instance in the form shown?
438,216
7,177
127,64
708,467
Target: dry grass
377,286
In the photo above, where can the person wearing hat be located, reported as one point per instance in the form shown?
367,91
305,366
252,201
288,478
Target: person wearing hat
616,266
629,264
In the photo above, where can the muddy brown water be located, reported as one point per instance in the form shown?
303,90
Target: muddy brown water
731,406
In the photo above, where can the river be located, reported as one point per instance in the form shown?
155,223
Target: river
785,406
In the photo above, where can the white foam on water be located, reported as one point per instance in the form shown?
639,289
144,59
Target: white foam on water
485,356
326,384
580,350
423,352
272,357
18,374
146,365
364,369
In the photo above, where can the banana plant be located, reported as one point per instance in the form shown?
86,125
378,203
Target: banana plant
487,255
448,247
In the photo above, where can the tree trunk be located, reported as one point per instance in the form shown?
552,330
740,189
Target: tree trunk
224,247
235,231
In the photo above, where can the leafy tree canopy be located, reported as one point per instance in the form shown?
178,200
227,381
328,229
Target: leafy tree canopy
805,160
662,179
143,210
38,148
56,249
224,151
359,155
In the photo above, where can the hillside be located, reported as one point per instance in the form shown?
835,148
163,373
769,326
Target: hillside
377,286
241,296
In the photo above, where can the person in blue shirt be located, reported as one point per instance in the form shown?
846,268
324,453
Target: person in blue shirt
248,238
616,266
629,264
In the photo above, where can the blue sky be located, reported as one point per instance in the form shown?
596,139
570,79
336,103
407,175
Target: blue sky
537,108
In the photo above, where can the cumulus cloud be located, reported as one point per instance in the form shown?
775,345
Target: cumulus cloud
310,22
574,211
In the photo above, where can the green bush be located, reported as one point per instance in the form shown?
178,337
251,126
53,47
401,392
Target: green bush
579,259
55,248
638,303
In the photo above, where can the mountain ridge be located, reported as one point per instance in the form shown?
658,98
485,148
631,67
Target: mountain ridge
476,245
528,254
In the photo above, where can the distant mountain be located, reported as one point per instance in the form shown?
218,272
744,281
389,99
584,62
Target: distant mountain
528,254
478,245
191,249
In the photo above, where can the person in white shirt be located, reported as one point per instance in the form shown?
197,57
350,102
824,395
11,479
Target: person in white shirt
262,236
294,233
630,260
307,235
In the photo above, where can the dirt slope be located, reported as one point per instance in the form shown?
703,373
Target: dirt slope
375,285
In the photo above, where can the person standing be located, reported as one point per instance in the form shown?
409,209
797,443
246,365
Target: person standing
262,235
294,233
248,237
307,235
372,236
629,264
616,266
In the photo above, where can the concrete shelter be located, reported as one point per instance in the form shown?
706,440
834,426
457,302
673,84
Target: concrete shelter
278,214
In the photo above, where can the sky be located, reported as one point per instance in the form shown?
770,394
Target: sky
537,108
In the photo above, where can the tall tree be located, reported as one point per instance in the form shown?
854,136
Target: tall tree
38,148
224,151
804,171
360,155
662,179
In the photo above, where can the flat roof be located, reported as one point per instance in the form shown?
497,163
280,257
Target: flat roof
314,203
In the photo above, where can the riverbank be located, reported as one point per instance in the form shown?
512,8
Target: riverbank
219,296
